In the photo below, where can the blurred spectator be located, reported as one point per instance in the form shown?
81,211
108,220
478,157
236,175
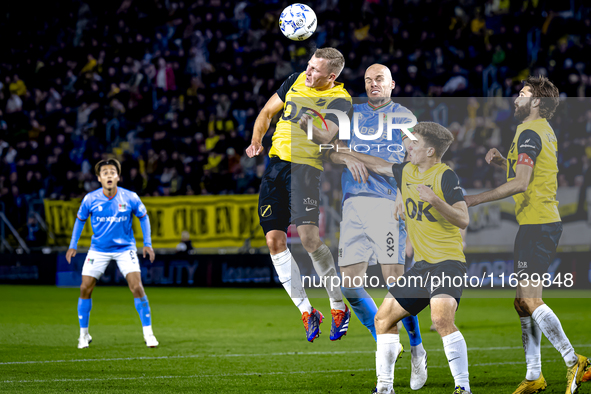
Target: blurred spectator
175,93
185,246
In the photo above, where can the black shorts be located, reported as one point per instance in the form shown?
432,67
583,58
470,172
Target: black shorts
535,246
423,281
290,193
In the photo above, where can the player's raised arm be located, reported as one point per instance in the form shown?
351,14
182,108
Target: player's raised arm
261,125
493,156
529,146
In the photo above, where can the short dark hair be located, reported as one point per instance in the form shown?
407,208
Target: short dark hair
335,59
542,88
108,162
435,136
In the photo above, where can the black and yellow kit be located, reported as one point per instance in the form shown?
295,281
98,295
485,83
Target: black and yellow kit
536,210
437,243
290,188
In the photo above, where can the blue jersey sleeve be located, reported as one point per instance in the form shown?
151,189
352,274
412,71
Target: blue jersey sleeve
138,207
84,210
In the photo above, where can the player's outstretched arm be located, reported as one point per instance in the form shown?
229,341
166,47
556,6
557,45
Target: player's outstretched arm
357,168
516,185
456,214
493,156
261,125
373,164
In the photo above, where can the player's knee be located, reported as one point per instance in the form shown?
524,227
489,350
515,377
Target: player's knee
527,306
310,242
276,244
442,324
382,322
85,290
136,288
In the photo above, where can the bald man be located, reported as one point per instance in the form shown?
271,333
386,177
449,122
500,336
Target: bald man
370,232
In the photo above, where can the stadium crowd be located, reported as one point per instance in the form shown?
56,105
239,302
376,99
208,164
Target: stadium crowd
173,87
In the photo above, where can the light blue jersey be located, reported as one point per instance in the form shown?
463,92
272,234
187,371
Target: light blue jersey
111,220
389,150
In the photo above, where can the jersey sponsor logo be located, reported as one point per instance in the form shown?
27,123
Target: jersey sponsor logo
310,201
266,211
321,102
308,209
122,207
100,208
293,90
110,219
522,264
419,210
390,246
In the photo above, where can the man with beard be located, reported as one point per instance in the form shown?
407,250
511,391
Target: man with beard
532,170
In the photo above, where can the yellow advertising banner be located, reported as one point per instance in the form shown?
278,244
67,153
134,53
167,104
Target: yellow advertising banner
212,221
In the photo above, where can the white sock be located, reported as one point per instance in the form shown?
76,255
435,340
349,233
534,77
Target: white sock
552,329
291,279
417,352
147,330
83,331
388,348
531,336
325,268
457,357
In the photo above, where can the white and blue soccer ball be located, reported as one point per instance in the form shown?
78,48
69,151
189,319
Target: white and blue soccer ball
298,22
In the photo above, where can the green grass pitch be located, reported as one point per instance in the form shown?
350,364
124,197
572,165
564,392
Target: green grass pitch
248,341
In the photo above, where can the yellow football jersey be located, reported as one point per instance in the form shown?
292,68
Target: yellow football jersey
434,238
290,142
535,145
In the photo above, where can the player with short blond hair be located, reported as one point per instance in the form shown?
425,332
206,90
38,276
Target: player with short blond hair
290,188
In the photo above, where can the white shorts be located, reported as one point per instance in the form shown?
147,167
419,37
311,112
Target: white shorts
369,232
96,263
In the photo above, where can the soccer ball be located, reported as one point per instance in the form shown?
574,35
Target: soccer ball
297,22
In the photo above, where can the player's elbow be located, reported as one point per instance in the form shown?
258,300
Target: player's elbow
464,222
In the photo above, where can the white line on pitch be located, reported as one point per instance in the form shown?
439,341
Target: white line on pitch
475,349
250,373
